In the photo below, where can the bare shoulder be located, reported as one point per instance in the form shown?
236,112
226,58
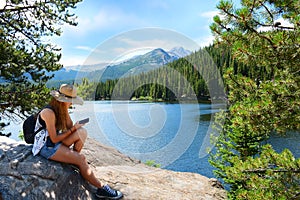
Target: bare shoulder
47,113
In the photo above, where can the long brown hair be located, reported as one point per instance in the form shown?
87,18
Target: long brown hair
61,114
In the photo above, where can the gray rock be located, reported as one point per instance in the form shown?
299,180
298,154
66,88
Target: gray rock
23,176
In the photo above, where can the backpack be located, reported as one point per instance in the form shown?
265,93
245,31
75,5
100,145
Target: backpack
29,126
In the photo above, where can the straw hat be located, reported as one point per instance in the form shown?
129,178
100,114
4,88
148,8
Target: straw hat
67,93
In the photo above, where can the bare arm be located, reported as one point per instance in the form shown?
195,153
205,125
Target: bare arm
49,117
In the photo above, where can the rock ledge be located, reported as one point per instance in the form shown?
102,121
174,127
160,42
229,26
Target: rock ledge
23,176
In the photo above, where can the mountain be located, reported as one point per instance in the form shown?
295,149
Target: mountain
143,63
179,52
87,68
137,64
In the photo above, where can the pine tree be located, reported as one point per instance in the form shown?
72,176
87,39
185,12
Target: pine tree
263,98
25,58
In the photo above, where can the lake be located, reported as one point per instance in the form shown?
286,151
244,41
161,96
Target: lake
175,136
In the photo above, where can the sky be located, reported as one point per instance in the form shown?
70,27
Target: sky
118,29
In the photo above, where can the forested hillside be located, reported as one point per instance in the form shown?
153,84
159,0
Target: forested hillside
186,78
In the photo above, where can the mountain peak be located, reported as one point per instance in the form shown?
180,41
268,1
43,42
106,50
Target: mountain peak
156,51
179,52
135,65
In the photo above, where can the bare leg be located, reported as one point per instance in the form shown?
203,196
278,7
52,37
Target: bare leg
77,138
66,155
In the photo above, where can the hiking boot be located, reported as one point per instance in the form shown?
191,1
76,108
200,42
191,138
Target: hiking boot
108,193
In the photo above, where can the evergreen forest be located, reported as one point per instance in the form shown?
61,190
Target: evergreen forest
188,78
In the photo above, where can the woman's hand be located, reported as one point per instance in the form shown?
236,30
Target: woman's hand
77,125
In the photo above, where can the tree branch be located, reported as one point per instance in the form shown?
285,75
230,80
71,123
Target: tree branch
271,16
17,9
276,171
20,31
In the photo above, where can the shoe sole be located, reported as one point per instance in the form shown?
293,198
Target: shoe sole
105,197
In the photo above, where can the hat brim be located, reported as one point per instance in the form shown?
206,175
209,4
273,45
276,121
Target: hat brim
62,98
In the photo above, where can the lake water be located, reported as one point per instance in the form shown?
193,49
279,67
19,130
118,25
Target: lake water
173,135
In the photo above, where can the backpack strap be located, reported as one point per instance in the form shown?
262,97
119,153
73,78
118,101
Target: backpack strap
39,130
42,122
48,106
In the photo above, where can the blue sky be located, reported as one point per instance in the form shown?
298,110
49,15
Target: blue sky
101,21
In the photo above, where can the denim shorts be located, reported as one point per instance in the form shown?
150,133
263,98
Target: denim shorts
49,149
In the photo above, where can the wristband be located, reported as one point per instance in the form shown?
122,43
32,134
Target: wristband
72,131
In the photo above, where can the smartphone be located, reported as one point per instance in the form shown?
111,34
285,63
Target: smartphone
84,121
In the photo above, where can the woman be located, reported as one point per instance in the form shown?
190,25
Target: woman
62,140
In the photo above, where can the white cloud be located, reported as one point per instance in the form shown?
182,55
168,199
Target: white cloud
205,41
147,43
282,21
137,42
85,48
154,38
72,61
285,23
107,18
209,14
130,54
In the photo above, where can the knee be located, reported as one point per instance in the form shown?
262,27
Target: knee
82,134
